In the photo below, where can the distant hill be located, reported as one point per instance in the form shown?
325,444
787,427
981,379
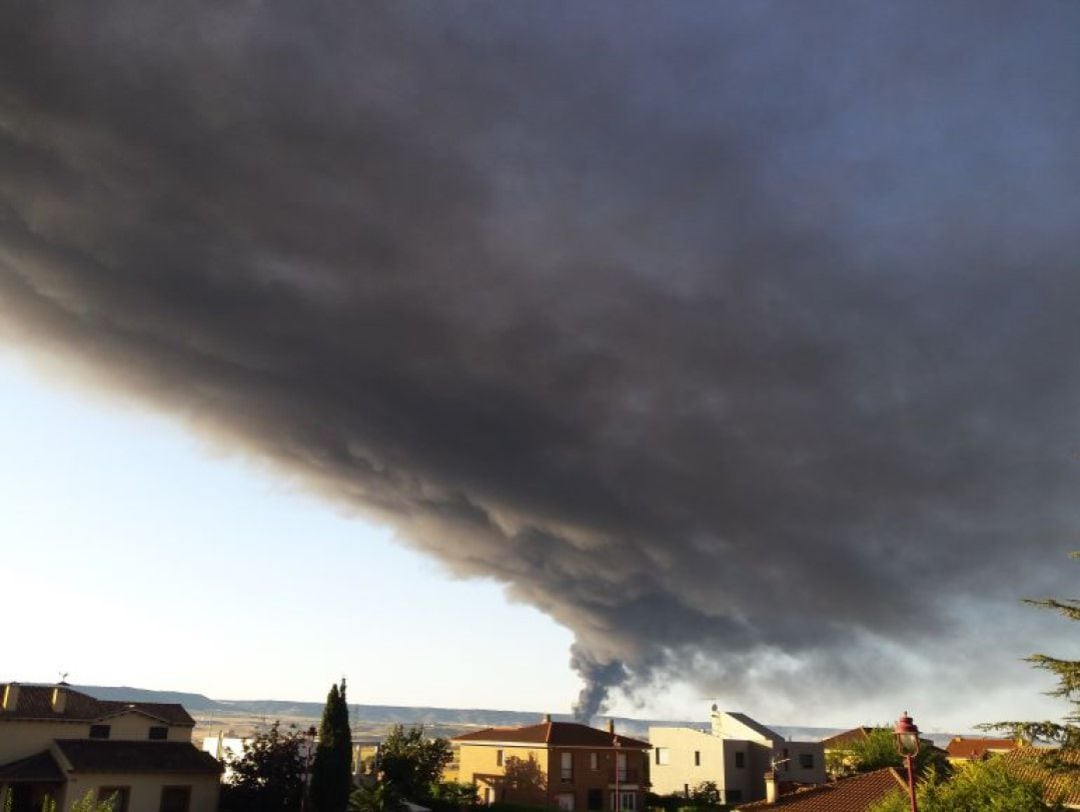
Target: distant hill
442,721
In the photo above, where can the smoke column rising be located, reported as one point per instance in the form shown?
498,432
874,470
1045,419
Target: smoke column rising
701,327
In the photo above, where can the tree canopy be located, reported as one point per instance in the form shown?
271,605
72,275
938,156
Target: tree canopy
269,775
1065,733
411,763
979,786
877,750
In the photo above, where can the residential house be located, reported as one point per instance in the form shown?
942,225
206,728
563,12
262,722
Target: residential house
855,794
962,750
64,744
735,754
556,764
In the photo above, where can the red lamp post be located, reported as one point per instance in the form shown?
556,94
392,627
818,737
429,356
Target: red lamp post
907,743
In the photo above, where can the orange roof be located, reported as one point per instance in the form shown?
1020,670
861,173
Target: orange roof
1061,787
853,794
960,747
847,738
554,734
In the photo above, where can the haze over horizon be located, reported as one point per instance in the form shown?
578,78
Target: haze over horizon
735,340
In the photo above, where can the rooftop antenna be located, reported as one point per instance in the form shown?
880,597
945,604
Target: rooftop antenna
63,677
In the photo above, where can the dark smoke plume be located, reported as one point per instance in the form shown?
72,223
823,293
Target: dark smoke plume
739,338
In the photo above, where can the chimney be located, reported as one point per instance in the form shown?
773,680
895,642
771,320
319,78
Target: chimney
770,787
547,718
611,726
11,697
59,698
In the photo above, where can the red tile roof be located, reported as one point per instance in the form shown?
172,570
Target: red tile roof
855,794
960,747
35,702
108,756
841,741
1061,786
554,734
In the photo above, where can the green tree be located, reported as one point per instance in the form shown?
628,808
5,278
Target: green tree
877,750
376,797
411,763
269,775
331,774
1067,732
979,786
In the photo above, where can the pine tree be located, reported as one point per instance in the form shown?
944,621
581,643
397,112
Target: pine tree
1067,732
331,774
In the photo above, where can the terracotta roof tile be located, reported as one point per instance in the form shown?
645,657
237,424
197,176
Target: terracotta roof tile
35,702
960,747
840,741
556,734
854,794
1061,786
106,756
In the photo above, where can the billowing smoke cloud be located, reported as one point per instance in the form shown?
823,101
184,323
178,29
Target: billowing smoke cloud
739,338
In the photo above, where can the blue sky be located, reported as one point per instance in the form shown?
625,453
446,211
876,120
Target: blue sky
150,559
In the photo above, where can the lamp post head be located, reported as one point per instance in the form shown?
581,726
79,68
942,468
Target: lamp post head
907,735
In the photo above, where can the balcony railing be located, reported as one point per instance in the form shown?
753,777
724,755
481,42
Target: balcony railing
624,776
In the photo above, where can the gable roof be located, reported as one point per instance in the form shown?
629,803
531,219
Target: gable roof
35,702
959,747
841,741
554,734
108,756
1061,786
853,794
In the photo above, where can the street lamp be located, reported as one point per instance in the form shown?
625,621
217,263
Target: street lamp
907,744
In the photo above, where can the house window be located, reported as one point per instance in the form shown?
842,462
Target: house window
498,758
99,731
740,760
159,734
627,801
621,773
697,758
175,799
117,798
566,763
663,755
594,761
806,761
595,800
566,801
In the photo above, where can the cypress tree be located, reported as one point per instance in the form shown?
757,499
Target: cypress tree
331,773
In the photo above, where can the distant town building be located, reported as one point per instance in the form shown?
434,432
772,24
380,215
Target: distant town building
961,749
60,743
556,764
734,754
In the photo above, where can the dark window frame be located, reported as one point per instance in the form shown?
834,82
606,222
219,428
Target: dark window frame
100,731
185,788
158,733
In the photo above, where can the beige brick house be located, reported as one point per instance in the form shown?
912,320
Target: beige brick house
58,742
557,764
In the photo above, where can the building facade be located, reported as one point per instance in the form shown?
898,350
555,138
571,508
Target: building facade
556,764
60,743
734,754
